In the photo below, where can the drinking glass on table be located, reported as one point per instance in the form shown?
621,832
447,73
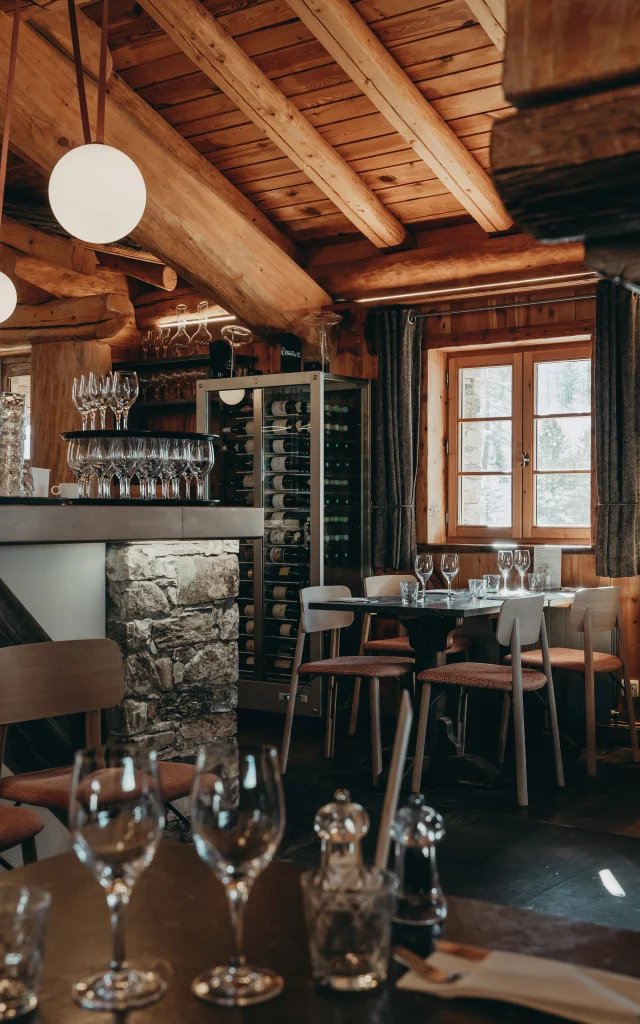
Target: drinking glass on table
116,820
424,569
237,817
505,565
521,561
449,569
23,921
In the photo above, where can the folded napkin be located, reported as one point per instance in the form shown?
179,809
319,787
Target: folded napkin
581,994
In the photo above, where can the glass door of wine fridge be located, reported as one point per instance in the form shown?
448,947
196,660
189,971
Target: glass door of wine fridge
297,445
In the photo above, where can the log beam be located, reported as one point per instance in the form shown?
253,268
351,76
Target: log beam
492,15
66,314
455,255
572,330
50,248
157,274
220,58
62,282
54,26
206,238
350,41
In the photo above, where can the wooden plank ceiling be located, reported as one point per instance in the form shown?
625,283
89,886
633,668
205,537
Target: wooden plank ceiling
440,44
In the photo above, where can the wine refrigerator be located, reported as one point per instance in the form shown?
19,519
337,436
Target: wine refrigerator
297,446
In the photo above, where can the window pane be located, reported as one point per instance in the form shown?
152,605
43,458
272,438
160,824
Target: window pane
563,443
485,446
563,386
563,499
485,501
485,391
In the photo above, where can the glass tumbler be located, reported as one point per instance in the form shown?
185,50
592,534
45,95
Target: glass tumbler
491,583
477,588
350,930
536,581
23,922
409,592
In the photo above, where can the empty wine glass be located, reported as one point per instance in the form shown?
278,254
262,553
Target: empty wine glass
202,461
150,466
179,458
165,470
449,569
505,565
424,569
125,391
90,391
163,338
116,820
235,336
237,816
77,460
99,458
147,339
105,385
521,561
79,399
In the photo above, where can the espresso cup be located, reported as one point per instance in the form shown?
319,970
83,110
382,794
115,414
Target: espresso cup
65,491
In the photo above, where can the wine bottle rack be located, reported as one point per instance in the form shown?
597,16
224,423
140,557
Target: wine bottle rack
296,445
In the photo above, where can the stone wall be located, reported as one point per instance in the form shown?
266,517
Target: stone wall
171,609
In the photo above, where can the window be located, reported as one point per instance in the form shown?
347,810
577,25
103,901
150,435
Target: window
520,444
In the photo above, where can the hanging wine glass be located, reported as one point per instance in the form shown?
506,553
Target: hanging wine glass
236,336
180,342
322,323
202,338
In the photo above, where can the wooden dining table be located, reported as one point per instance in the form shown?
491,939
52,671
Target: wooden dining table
178,912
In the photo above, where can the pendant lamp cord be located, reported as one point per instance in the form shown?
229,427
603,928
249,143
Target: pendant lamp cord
102,76
77,60
6,127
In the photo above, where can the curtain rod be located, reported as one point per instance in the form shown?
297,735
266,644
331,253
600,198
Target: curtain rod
506,305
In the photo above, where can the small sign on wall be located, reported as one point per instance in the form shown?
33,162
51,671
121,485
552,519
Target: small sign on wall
547,558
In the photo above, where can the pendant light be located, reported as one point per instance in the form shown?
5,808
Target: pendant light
8,294
96,192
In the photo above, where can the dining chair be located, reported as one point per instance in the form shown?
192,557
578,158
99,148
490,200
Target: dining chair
66,677
389,586
19,827
520,622
594,610
313,620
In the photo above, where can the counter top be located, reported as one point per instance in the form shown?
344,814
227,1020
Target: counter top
58,522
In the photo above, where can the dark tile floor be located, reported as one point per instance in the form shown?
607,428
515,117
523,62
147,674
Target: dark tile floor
547,857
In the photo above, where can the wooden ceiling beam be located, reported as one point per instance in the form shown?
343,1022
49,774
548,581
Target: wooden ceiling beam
50,248
350,41
222,60
455,254
157,274
492,15
53,24
91,318
204,236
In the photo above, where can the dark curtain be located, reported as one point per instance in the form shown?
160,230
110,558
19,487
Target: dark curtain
617,394
394,453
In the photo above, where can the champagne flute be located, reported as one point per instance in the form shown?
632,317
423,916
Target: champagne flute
116,820
449,569
424,569
505,565
237,816
521,561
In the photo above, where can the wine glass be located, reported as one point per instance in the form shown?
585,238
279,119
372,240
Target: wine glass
235,336
521,561
79,399
125,391
89,394
237,816
116,820
99,457
449,569
147,339
77,460
202,461
505,565
424,569
105,384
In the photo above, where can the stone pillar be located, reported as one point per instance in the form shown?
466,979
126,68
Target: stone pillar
172,611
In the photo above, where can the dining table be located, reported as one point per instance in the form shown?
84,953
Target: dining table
178,912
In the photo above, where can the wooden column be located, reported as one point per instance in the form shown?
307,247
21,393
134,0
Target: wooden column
53,367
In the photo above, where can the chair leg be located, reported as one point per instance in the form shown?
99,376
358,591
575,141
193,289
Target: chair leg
334,717
329,727
504,727
29,852
465,708
288,723
555,733
521,750
590,708
376,740
355,706
631,712
416,779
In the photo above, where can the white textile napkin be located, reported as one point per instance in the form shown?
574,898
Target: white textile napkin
581,994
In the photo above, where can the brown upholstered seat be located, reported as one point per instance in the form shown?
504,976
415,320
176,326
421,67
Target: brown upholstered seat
51,787
570,659
367,668
481,676
18,824
400,645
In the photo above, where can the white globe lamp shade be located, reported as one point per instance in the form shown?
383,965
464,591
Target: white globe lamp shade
97,193
8,297
231,397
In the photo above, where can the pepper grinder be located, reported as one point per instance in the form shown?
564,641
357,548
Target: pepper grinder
421,907
341,826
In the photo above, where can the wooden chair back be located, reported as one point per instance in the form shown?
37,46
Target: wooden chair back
385,586
61,677
315,620
603,604
528,612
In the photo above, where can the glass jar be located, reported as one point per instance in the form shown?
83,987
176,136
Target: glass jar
180,342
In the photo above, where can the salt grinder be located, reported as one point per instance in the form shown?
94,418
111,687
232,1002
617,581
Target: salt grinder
341,826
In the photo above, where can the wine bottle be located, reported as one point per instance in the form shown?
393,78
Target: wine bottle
283,499
288,425
336,427
282,445
249,661
248,644
289,630
339,499
247,610
281,521
245,589
288,464
288,407
249,626
287,573
240,429
244,410
336,408
247,480
336,538
283,664
279,647
336,519
287,555
285,611
240,499
337,446
285,537
240,448
283,592
289,482
335,482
